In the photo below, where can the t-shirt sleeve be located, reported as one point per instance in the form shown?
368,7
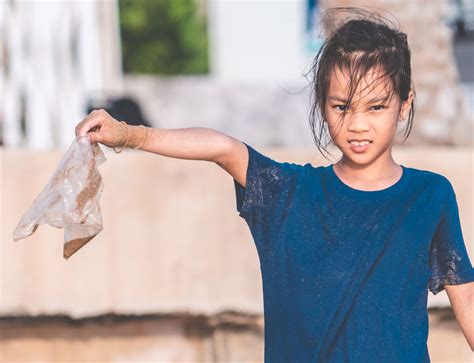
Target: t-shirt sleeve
449,261
267,195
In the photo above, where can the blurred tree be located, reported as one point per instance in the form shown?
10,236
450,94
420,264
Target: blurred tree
163,37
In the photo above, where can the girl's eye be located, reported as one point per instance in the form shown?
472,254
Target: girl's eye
343,107
378,107
340,107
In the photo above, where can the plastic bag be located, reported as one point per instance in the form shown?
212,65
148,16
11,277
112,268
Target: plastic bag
70,200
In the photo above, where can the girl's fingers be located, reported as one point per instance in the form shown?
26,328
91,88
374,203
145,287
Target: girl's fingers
93,137
82,127
89,126
90,122
94,133
99,126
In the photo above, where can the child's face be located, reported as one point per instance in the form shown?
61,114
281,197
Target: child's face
368,117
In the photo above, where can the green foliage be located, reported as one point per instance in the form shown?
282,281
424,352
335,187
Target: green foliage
163,37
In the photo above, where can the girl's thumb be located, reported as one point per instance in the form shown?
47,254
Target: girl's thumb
93,136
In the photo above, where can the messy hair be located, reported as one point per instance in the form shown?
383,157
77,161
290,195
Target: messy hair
358,41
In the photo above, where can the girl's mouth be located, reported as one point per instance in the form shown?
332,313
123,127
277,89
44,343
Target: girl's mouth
360,146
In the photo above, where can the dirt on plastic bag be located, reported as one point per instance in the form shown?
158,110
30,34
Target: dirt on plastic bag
70,200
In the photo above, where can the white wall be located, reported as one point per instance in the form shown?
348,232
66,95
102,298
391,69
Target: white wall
257,39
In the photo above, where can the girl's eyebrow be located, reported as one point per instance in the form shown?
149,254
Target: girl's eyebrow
374,100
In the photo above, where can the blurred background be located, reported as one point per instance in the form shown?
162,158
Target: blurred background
172,277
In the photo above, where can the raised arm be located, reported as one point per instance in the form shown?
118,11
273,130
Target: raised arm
461,298
195,143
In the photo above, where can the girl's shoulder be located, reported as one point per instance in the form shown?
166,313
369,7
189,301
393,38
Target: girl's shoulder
438,181
431,176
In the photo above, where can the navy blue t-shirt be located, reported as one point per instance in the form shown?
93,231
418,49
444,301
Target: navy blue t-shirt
346,272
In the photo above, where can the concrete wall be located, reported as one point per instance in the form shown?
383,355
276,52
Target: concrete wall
177,339
172,243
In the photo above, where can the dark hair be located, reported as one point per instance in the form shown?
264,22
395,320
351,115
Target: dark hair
359,40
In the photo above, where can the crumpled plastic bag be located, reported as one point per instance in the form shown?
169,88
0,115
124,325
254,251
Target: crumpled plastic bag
70,199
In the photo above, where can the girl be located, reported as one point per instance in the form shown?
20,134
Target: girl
347,251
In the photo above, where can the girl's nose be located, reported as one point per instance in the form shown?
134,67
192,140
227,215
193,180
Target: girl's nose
357,121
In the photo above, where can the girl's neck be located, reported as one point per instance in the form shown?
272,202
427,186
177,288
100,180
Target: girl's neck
377,175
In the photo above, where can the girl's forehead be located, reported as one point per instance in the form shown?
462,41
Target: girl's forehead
369,85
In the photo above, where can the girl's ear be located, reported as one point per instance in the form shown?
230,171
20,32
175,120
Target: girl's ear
405,107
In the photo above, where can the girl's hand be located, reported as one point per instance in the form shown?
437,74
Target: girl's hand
99,126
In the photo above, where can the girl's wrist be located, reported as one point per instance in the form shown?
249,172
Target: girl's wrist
138,136
125,137
135,137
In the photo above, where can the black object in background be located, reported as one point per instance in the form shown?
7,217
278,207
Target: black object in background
122,109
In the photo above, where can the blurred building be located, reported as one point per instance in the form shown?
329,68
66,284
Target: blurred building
56,54
259,55
259,59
